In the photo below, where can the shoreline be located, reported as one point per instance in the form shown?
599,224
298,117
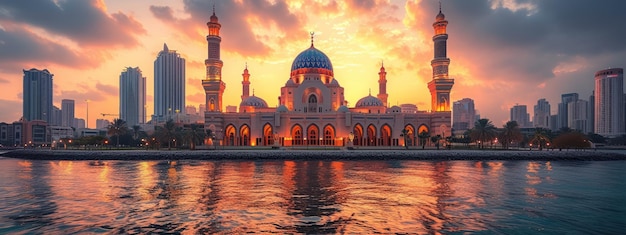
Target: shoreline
287,154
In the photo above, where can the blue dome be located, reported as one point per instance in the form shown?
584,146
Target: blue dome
369,101
312,60
254,101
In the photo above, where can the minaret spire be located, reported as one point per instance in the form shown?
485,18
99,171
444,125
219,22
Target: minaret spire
441,85
382,84
245,93
312,36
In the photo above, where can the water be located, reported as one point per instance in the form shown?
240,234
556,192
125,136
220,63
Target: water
364,197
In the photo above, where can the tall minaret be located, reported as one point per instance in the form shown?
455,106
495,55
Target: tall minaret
246,84
213,84
382,85
441,85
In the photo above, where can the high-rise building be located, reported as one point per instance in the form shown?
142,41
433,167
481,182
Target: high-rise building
202,108
577,116
441,85
190,109
609,102
590,113
132,96
57,116
541,116
519,113
67,110
102,124
169,84
463,115
37,95
562,118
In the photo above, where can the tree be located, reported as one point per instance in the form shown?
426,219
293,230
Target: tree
435,139
136,129
510,133
167,132
540,137
116,128
483,131
571,140
423,136
405,136
194,134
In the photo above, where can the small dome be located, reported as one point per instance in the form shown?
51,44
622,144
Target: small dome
343,109
214,17
254,102
369,101
282,109
440,17
311,60
334,82
290,83
394,109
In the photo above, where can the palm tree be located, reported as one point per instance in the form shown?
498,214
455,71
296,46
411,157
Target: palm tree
483,130
435,139
510,133
136,129
167,132
540,137
117,128
405,135
194,134
424,135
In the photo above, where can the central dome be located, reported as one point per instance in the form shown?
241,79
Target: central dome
369,101
312,60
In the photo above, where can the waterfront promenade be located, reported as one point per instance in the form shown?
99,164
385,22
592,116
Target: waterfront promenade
336,154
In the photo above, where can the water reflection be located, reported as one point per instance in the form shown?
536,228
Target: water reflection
364,197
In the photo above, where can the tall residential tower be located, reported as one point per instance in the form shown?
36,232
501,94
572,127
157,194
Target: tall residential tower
67,112
169,84
132,96
441,85
609,102
37,95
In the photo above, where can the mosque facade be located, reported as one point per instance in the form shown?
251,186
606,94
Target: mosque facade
312,110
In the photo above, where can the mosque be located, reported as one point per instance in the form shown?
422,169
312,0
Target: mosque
312,110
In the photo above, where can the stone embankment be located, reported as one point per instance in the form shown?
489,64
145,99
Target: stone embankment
286,154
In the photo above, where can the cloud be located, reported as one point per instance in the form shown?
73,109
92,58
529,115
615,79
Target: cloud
23,49
10,113
2,80
96,28
252,27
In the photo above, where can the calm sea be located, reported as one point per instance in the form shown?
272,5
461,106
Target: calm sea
364,197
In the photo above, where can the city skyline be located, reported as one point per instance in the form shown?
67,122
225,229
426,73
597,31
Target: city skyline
504,53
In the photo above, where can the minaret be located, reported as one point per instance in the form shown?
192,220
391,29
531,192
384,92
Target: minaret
441,85
246,84
382,84
213,84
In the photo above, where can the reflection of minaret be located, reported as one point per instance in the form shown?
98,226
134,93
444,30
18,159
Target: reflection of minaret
245,83
441,85
213,84
382,85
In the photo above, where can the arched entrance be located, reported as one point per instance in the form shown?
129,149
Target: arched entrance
229,135
358,135
371,135
244,135
296,135
385,134
423,133
268,135
313,135
329,135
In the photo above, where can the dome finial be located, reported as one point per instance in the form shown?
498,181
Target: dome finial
246,65
370,91
214,7
382,63
439,6
312,36
252,91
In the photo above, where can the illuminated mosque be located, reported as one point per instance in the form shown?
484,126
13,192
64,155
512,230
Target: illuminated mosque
312,110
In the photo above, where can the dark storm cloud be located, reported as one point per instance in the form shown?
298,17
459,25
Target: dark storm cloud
82,21
233,16
20,48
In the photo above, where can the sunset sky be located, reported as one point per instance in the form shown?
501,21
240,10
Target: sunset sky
502,52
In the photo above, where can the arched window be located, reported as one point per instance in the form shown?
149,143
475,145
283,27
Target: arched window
212,105
312,103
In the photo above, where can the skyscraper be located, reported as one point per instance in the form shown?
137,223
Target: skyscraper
57,116
67,112
169,84
132,96
577,116
441,85
541,116
37,95
519,113
464,115
562,118
609,102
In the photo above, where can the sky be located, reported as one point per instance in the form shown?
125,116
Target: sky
502,52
